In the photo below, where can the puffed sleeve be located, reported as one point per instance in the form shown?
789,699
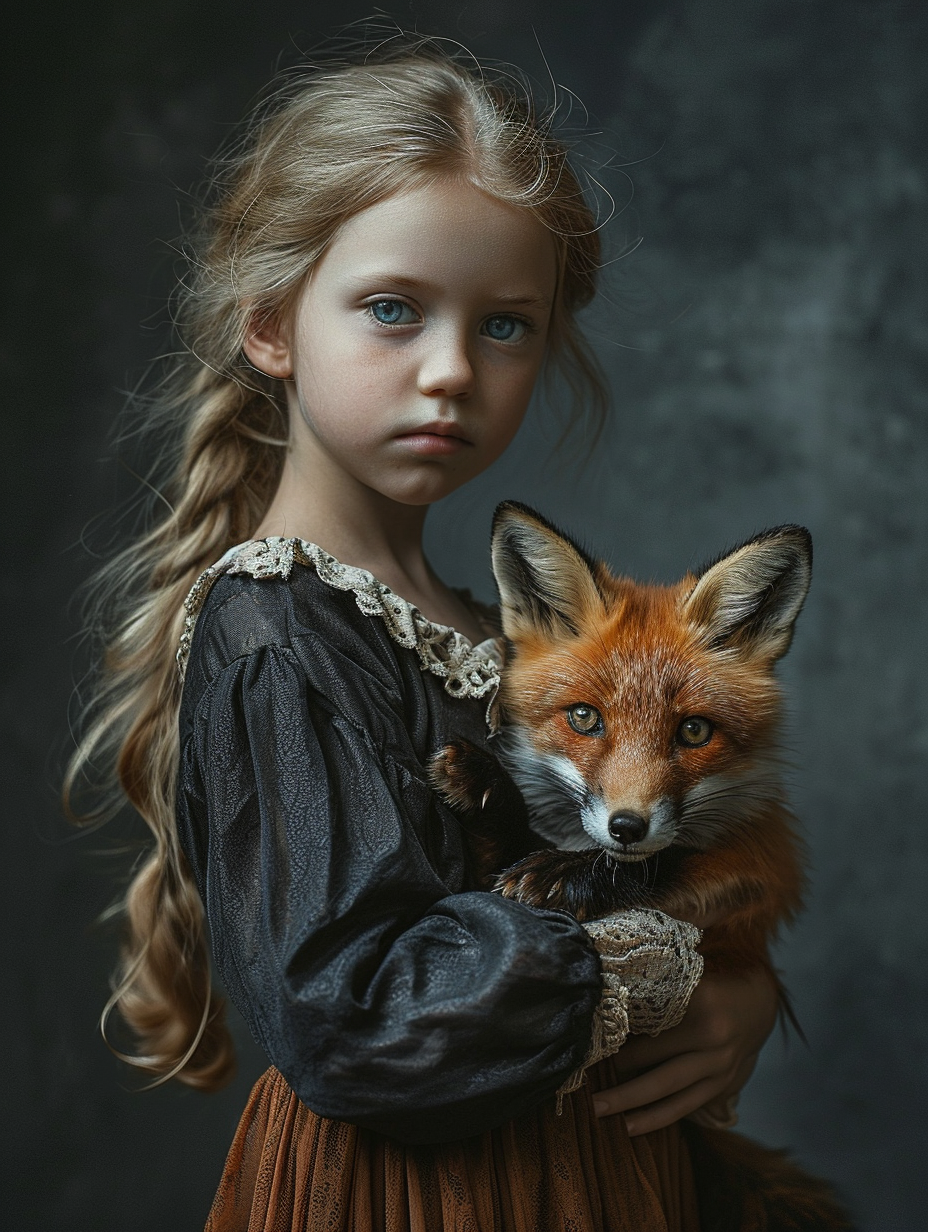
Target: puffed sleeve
382,997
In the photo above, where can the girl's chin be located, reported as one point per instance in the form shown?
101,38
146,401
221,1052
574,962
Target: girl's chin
424,490
416,480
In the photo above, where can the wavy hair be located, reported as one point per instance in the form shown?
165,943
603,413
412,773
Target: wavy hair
332,141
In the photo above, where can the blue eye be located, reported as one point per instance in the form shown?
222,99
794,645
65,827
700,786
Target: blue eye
392,312
504,329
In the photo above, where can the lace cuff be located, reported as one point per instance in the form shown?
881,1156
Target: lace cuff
650,968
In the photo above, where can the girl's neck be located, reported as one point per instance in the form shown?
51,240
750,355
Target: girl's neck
369,531
359,527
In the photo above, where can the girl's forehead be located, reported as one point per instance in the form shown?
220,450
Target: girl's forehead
447,229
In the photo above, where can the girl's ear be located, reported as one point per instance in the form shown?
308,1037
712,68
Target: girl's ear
267,346
546,584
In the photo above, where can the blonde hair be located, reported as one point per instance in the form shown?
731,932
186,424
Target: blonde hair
332,142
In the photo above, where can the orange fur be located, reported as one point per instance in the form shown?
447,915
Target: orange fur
645,657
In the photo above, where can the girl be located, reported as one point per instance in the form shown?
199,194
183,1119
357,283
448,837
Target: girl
394,255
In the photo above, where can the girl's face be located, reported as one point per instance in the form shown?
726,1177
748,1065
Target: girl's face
416,342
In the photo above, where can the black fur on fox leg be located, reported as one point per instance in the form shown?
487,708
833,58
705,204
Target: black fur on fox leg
488,805
589,884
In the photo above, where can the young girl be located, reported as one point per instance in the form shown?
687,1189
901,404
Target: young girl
394,255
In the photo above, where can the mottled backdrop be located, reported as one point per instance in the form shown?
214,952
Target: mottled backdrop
766,346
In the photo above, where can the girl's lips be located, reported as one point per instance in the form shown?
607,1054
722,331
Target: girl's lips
433,439
432,443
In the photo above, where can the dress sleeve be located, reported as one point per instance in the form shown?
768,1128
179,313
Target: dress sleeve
383,998
650,967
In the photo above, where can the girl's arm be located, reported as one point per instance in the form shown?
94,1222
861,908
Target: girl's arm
329,873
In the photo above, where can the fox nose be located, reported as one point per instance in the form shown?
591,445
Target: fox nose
628,828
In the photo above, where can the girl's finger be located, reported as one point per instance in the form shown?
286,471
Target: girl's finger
642,1051
673,1076
666,1111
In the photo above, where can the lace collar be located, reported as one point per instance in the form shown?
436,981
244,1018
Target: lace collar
467,670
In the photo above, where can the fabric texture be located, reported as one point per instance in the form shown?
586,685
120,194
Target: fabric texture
467,670
653,959
649,969
292,1171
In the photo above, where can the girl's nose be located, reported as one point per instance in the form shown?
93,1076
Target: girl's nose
446,369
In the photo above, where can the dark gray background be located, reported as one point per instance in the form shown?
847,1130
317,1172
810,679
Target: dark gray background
766,345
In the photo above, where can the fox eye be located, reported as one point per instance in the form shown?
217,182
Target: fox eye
695,731
585,719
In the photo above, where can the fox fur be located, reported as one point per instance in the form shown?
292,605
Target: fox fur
637,765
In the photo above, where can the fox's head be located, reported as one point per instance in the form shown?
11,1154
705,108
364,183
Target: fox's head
636,716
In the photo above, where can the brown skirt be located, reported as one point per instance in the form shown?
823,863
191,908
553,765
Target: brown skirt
290,1170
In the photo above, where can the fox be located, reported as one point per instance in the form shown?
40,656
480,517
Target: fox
636,763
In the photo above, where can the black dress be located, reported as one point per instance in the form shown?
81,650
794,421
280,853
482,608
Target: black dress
398,1005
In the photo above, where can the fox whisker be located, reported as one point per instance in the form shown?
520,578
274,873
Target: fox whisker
713,810
737,809
653,877
705,827
757,788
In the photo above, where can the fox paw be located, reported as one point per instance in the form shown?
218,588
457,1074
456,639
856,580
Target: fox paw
543,879
463,776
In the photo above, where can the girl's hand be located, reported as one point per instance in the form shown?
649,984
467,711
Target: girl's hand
706,1059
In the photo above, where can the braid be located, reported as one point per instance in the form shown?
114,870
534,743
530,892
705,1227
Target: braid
228,472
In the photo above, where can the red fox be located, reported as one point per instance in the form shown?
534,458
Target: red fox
638,767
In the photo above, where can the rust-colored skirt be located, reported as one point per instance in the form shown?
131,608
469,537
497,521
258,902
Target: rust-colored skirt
290,1170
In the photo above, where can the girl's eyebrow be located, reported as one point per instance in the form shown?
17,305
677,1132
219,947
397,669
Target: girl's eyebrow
524,301
528,300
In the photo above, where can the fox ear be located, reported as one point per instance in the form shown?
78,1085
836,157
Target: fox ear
546,585
751,597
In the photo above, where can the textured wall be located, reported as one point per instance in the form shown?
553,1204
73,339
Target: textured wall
766,345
